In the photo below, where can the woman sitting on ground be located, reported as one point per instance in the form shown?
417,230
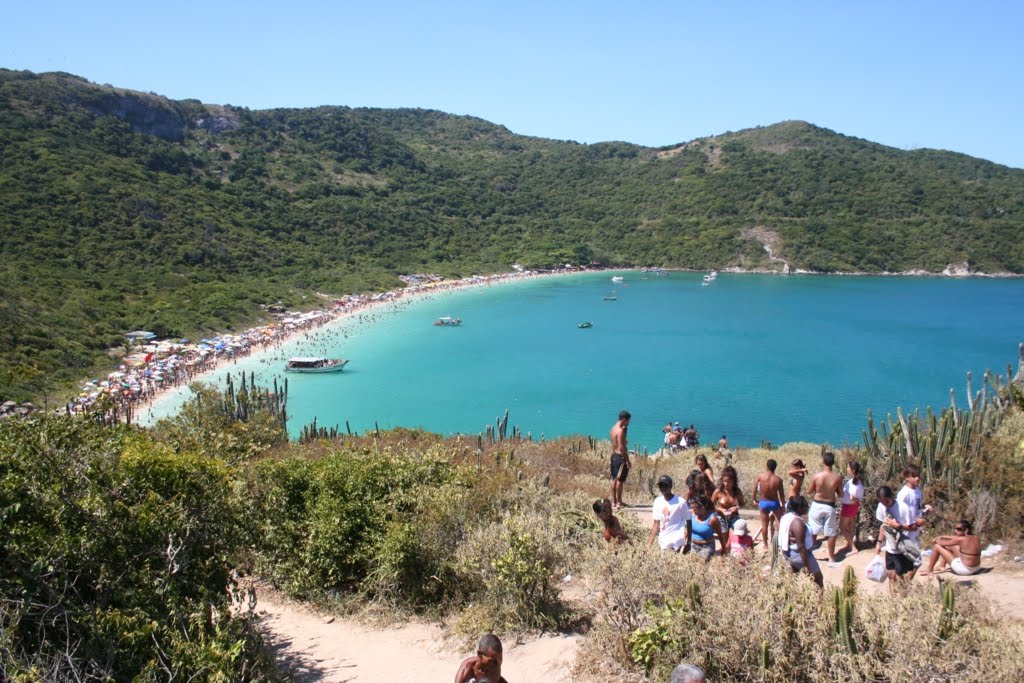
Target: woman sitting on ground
962,552
728,498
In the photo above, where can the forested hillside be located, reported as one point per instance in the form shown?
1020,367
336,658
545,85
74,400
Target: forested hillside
122,210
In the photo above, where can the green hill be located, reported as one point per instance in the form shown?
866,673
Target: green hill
122,210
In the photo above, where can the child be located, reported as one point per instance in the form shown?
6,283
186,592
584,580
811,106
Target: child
613,530
740,541
486,666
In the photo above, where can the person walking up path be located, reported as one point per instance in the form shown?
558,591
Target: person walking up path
768,494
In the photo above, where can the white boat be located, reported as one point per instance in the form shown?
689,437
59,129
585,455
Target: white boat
448,321
618,278
314,364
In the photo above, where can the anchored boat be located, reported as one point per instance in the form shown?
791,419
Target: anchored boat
448,321
311,364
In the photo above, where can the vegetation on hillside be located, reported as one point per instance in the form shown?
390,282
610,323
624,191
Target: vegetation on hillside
122,210
119,544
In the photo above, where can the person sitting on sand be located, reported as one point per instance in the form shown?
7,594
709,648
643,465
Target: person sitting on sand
613,530
728,498
768,494
797,472
962,552
485,666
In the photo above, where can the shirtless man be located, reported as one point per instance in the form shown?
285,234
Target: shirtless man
486,666
768,494
822,517
620,458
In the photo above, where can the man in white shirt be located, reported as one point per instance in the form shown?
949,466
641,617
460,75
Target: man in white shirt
899,515
671,517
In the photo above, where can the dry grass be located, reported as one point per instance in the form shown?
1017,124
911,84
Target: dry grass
743,618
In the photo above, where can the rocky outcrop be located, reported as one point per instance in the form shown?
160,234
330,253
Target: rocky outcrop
962,269
147,114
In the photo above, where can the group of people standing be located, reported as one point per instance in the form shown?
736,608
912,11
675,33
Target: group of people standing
709,513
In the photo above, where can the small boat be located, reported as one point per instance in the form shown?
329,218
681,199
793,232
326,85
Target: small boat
312,364
448,321
585,325
618,278
610,296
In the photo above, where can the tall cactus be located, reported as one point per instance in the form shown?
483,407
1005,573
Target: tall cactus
947,620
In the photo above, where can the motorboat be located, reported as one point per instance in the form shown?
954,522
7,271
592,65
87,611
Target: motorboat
448,321
618,278
610,296
314,364
585,325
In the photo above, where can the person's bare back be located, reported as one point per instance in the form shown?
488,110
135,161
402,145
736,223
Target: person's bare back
769,487
825,486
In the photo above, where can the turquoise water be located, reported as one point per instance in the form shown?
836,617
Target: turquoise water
796,358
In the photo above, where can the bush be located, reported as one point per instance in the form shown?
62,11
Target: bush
116,558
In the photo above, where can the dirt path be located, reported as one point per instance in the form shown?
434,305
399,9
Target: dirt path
317,648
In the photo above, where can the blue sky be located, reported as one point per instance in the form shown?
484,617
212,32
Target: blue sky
939,74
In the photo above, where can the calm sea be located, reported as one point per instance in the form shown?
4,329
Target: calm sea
755,357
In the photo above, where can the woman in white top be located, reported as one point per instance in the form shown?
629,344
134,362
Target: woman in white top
853,494
795,539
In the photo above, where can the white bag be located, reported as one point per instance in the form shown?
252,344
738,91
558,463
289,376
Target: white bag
875,571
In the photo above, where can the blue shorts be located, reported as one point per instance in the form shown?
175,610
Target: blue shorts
769,505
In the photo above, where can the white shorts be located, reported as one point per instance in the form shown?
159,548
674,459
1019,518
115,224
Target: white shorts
960,569
823,519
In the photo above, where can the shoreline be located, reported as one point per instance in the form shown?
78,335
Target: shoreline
153,405
143,413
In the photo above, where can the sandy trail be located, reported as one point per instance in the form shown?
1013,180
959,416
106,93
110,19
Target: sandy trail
316,648
313,647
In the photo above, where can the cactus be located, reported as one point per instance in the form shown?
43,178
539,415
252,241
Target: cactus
693,593
766,656
789,626
849,583
948,616
846,625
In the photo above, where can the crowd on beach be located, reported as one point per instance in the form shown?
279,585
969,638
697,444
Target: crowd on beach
706,519
152,366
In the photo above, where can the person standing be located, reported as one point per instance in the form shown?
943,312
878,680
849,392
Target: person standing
853,494
671,517
823,517
897,516
768,494
620,457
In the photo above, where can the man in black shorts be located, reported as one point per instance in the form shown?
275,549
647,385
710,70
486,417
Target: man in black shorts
620,458
899,567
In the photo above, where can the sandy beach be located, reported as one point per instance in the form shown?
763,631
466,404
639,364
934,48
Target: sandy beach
164,401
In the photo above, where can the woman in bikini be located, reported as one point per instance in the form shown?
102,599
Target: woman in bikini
796,477
728,498
962,552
